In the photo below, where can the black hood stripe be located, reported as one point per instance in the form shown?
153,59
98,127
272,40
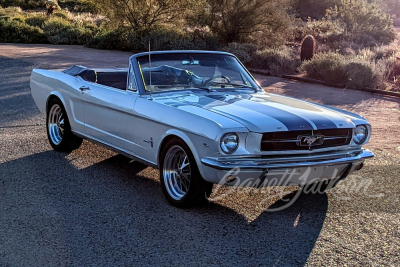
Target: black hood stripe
292,121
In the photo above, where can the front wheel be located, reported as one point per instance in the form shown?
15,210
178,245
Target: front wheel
180,178
59,131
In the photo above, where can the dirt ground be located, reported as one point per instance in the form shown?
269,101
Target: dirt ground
93,207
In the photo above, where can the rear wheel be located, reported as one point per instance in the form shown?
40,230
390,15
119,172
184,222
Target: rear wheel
59,131
180,178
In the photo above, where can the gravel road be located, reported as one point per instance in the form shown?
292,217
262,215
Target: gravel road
95,208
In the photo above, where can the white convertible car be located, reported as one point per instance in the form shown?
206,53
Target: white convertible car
201,118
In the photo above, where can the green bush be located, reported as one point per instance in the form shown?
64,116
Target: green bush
110,39
280,60
361,74
243,51
80,6
330,67
324,30
15,31
314,8
388,70
364,22
60,31
61,14
30,4
356,72
169,38
36,21
9,12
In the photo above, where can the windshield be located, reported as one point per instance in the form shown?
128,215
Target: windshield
194,71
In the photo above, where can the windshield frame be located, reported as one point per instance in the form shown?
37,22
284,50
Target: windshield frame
142,86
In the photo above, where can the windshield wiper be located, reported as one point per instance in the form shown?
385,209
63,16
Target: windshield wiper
236,86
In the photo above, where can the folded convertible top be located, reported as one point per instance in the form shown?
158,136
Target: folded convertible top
112,77
85,73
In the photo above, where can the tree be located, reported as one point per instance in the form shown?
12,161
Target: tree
143,14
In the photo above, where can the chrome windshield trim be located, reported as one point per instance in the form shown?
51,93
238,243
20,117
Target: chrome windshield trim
287,162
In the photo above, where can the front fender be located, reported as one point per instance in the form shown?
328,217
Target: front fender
194,142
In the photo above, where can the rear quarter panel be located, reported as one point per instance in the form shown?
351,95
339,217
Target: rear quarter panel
45,83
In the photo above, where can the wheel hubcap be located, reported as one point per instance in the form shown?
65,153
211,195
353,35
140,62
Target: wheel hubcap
176,172
56,124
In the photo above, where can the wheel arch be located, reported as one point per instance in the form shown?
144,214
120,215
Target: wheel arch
172,134
54,95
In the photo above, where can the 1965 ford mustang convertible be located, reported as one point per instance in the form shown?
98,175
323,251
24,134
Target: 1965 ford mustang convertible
201,118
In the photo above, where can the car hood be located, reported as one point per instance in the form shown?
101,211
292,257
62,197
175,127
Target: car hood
264,112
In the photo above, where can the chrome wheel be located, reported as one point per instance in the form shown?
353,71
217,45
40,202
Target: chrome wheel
176,172
56,124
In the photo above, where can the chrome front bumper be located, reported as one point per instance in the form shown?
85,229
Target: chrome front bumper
316,167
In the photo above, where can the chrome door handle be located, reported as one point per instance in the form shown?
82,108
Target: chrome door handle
84,88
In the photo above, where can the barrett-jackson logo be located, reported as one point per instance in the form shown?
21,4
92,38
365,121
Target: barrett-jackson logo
310,140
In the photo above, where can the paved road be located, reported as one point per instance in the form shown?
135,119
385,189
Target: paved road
94,208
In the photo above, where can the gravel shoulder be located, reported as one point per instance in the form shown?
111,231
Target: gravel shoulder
93,207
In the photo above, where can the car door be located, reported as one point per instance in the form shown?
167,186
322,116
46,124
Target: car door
109,115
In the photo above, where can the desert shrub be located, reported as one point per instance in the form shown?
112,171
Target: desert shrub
85,6
111,39
36,20
344,47
386,51
60,31
314,8
357,71
243,51
61,14
20,18
14,31
161,38
170,38
280,60
388,70
364,22
361,74
9,12
261,22
330,67
24,4
323,48
324,30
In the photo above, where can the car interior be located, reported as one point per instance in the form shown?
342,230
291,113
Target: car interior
112,77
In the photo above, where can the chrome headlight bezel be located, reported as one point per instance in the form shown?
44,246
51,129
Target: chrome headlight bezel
229,143
360,135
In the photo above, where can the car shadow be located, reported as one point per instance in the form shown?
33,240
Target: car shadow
113,213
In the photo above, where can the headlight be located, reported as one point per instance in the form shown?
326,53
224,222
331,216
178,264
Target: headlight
360,134
229,143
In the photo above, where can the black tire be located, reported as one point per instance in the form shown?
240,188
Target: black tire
320,187
61,137
198,189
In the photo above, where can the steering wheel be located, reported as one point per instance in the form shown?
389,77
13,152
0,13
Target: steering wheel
215,77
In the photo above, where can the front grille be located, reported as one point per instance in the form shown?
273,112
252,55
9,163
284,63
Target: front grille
278,141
